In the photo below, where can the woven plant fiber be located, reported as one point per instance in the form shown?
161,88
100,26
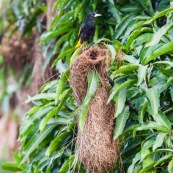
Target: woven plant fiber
96,149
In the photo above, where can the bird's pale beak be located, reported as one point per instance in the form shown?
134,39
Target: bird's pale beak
96,15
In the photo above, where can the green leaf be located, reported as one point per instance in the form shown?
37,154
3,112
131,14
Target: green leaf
120,99
131,59
134,34
56,143
162,119
171,91
45,87
166,150
63,55
148,168
162,160
59,4
78,8
164,62
151,125
67,164
61,84
170,166
157,36
159,51
144,153
141,74
130,8
93,83
125,69
146,161
59,42
123,25
47,118
55,111
75,54
159,141
11,166
158,15
166,72
143,109
33,110
140,40
145,52
135,160
34,142
27,124
117,88
46,96
153,95
52,34
121,122
55,5
112,51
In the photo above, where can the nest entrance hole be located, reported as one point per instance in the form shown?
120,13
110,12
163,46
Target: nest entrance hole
93,54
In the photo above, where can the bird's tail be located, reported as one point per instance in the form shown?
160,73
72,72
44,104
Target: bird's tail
78,44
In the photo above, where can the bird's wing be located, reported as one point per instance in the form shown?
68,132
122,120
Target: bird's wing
81,29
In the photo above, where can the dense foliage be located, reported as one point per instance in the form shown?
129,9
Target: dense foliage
139,37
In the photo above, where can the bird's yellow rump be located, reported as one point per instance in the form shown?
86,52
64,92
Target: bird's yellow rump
78,44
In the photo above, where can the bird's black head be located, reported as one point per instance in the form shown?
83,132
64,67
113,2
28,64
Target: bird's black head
91,16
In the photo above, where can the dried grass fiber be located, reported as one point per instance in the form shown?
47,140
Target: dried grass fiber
96,149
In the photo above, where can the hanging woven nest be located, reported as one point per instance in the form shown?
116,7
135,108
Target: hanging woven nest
96,149
17,52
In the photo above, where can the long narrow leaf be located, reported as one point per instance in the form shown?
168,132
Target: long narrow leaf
26,125
125,69
163,120
112,51
67,164
134,34
157,36
123,25
57,142
120,99
159,140
75,54
163,160
121,122
135,160
61,84
141,74
34,142
52,34
151,125
170,166
46,96
159,51
55,110
117,88
153,95
11,166
93,83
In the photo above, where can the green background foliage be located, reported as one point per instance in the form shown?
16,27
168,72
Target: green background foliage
140,34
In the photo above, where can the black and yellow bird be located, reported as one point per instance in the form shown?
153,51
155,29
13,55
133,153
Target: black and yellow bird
87,29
